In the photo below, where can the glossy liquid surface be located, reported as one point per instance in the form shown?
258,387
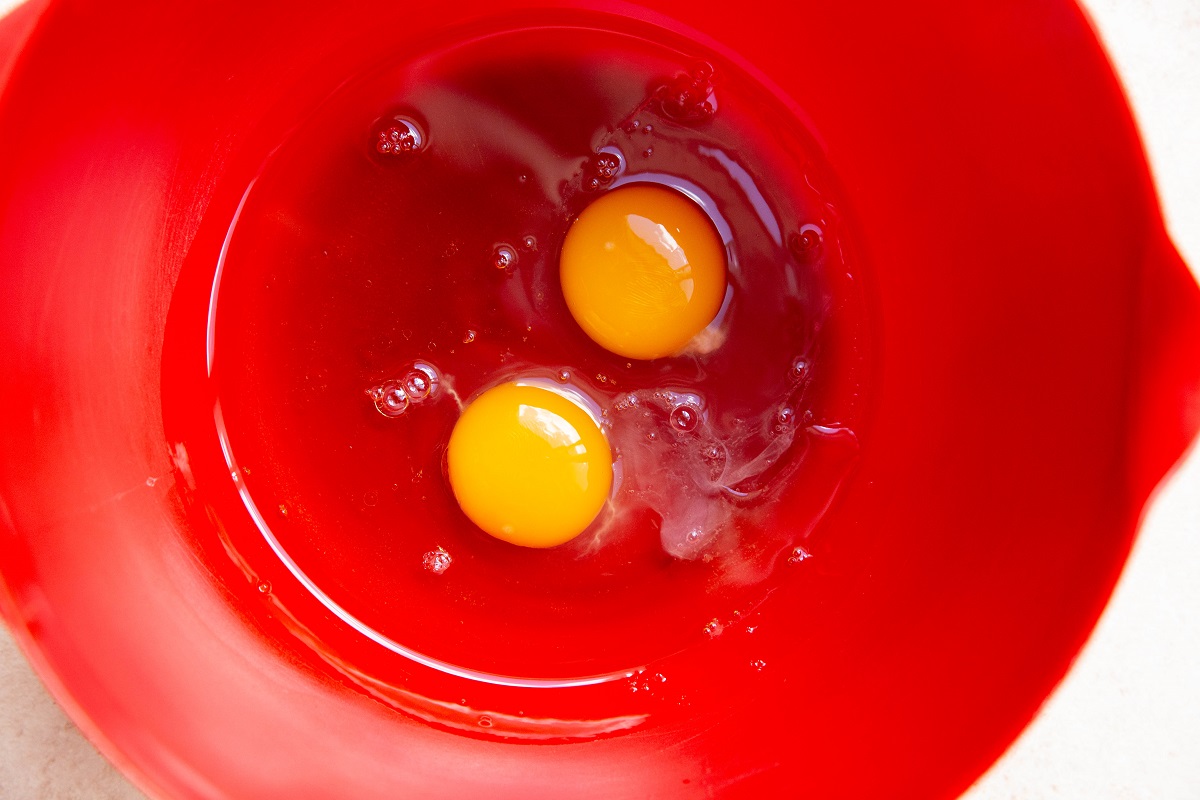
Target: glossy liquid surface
416,220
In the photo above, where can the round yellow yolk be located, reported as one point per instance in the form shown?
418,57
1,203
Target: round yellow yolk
643,271
529,466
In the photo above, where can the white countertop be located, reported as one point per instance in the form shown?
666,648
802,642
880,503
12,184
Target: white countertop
1124,725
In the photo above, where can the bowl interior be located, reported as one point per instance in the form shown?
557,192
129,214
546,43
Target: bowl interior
1016,255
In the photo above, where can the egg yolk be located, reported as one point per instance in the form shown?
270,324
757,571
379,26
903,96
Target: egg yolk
529,466
643,271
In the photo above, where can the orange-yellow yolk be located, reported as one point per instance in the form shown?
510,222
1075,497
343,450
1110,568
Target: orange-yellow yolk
529,465
643,271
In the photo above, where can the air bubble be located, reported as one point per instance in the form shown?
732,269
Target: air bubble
785,416
601,377
419,383
504,256
436,561
714,629
563,376
395,401
468,337
799,554
758,664
689,98
649,151
529,243
485,721
390,398
715,458
397,136
283,510
151,481
800,369
264,587
370,498
685,418
805,243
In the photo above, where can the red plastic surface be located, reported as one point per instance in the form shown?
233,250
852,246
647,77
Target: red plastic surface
1039,364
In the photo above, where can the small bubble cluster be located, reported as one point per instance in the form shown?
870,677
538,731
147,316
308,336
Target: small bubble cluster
785,418
689,98
714,629
646,682
798,554
602,168
436,561
394,397
397,136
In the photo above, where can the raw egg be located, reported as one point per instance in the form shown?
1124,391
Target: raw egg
643,271
529,465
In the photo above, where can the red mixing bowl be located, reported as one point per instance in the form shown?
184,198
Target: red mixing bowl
1037,352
